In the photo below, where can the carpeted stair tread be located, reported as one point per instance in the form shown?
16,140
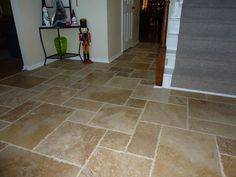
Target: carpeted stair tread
206,52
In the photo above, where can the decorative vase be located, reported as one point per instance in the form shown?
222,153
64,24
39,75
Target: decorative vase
61,45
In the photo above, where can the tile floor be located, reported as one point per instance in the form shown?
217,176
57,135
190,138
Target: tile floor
106,120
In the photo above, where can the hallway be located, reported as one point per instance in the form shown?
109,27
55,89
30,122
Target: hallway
106,120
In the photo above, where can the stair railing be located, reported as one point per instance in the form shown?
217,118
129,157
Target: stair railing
160,65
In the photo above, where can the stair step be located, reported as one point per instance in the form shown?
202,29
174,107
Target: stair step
210,14
208,31
210,3
195,83
207,50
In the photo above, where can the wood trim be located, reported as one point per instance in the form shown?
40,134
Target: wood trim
162,50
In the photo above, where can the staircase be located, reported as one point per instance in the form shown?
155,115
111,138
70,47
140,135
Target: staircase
206,52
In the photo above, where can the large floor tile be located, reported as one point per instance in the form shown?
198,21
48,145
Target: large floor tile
140,66
33,127
106,163
138,59
166,114
56,95
221,99
213,128
46,72
229,165
122,82
3,110
97,78
118,118
21,163
22,81
3,124
186,154
81,116
136,103
84,104
144,140
105,94
4,89
72,142
217,112
63,80
160,95
188,94
16,97
227,146
143,74
115,140
19,111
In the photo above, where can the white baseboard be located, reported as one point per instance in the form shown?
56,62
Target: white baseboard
37,65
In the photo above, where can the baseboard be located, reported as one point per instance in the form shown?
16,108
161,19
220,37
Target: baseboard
198,91
37,65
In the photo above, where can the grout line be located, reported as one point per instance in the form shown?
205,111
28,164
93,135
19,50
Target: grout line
93,117
126,153
156,153
187,121
135,127
38,153
232,156
90,156
219,159
211,121
184,129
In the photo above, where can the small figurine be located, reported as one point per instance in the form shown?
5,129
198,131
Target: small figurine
45,16
85,39
73,18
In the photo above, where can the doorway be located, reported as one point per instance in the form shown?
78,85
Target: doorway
150,21
10,55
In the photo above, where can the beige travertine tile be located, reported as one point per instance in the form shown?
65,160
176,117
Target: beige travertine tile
148,82
221,99
16,97
213,128
106,163
136,103
105,94
63,80
84,104
124,64
227,146
42,87
2,145
72,142
117,118
138,59
115,140
75,65
3,110
144,140
157,94
56,95
19,111
117,69
21,163
229,164
143,74
46,72
3,124
4,89
166,114
122,74
126,57
186,154
217,112
188,94
81,116
33,127
22,81
122,82
97,78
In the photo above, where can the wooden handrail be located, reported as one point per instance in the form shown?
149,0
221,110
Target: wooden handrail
162,49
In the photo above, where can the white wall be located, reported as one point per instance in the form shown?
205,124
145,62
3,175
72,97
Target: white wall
27,15
114,28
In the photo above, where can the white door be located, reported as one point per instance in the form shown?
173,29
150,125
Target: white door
127,24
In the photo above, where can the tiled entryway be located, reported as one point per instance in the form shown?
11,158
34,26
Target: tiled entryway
106,120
